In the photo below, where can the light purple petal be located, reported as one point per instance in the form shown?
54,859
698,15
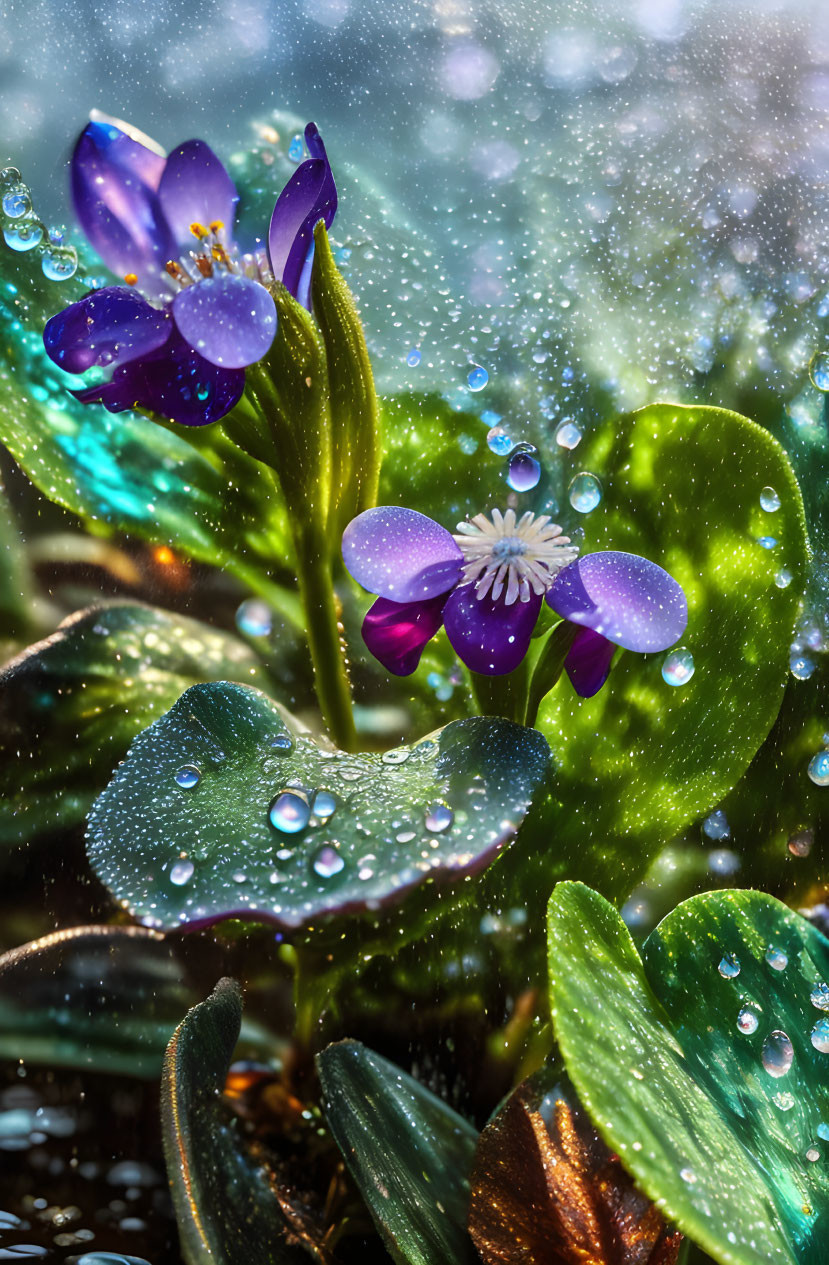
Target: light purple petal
308,197
230,320
401,554
489,636
588,662
174,382
624,597
108,326
113,179
196,189
396,632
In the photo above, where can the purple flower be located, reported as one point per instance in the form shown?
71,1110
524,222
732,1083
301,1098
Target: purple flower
194,312
486,585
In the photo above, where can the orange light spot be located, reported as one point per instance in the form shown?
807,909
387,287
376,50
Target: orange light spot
164,556
131,279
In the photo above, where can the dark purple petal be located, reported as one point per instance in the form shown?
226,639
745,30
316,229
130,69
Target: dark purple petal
175,382
588,662
308,197
196,189
230,320
489,636
401,554
114,179
396,632
108,326
626,598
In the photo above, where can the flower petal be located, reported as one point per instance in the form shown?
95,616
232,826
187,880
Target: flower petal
230,320
489,636
588,662
114,179
196,189
308,197
401,554
175,382
108,326
396,632
626,598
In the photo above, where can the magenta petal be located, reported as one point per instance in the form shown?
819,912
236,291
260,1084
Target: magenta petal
196,189
230,320
400,554
308,197
108,326
588,662
396,632
624,597
489,636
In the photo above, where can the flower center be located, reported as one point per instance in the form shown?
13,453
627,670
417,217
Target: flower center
513,558
213,254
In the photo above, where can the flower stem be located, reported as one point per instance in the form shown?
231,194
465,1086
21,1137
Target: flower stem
324,633
502,695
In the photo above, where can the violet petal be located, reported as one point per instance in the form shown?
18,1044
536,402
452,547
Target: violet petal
588,662
230,320
175,382
108,326
396,632
489,636
401,554
308,197
196,189
624,597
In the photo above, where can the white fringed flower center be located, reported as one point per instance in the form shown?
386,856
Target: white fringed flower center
513,557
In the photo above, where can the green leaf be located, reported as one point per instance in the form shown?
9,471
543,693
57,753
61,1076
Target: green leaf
642,759
409,1154
176,855
70,705
225,1209
731,1152
15,580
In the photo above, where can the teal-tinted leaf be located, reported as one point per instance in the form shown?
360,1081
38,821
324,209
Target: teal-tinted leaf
409,1154
225,1209
643,758
696,1098
352,832
70,705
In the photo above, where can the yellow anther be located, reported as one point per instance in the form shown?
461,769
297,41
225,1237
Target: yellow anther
198,230
216,226
131,279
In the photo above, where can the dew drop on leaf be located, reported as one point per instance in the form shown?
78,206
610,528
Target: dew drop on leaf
778,1053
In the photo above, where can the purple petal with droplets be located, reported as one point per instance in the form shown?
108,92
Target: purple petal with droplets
230,320
113,179
396,632
308,197
588,662
489,636
108,326
196,189
624,597
175,382
400,554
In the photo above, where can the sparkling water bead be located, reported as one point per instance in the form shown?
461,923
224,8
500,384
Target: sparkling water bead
818,769
678,667
568,435
9,176
188,776
499,442
800,665
254,618
296,149
819,370
767,542
181,872
585,492
783,578
290,812
524,471
747,1021
777,959
413,358
769,500
17,201
59,263
324,805
820,1036
823,1131
23,234
778,1054
438,818
328,862
819,996
729,967
716,826
477,378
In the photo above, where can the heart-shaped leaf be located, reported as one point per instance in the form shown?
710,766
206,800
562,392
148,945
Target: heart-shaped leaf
704,1064
409,1153
70,705
224,808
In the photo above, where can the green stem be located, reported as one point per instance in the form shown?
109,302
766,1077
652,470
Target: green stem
502,695
324,634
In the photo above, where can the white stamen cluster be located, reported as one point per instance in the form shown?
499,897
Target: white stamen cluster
520,556
214,255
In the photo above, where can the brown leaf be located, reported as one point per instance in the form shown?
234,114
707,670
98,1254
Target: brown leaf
547,1191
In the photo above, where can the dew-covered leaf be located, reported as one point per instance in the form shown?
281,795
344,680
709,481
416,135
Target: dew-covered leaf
704,1064
408,1152
70,705
225,808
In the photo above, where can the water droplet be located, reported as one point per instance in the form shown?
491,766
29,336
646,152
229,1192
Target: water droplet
413,359
769,500
439,818
747,1020
289,812
328,862
777,959
23,234
813,1155
768,542
188,776
239,876
181,872
17,202
499,442
524,471
254,618
716,825
688,1175
819,996
783,1102
819,370
324,805
585,492
823,1131
723,861
9,176
820,1036
398,755
405,836
778,1053
678,667
801,666
729,966
568,435
783,578
59,262
800,845
296,150
477,378
819,768
282,743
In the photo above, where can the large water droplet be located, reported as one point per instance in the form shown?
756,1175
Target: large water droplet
716,825
413,358
188,776
769,500
783,578
524,470
585,492
181,872
800,665
747,1020
819,370
282,743
328,862
477,378
254,618
813,1155
568,435
398,755
819,768
324,805
439,818
729,966
290,812
777,959
678,667
800,844
500,441
23,234
17,202
778,1053
819,996
59,263
820,1036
